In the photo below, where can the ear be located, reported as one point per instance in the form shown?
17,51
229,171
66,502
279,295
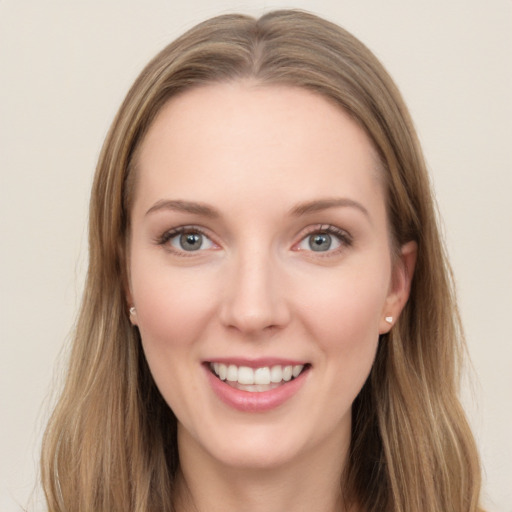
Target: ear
132,312
133,315
401,279
127,288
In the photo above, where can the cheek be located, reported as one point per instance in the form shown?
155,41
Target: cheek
346,307
343,317
173,304
173,309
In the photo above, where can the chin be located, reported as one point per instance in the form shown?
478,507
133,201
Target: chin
266,445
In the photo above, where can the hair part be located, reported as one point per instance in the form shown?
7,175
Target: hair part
111,442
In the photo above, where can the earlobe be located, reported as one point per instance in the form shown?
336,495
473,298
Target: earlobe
128,293
403,271
133,315
132,312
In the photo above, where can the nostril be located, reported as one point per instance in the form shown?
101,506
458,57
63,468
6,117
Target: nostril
253,299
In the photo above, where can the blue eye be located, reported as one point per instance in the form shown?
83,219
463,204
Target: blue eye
320,242
324,240
187,240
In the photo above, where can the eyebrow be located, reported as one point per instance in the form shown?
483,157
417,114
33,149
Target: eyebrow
324,204
298,210
184,206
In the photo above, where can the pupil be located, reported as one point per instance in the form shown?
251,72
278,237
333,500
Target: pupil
320,242
191,241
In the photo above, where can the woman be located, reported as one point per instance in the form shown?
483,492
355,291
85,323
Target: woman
268,320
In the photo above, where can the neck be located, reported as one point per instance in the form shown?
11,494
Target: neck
311,483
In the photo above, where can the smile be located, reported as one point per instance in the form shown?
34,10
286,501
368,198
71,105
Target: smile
256,387
256,379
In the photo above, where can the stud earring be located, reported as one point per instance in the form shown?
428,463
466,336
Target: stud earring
389,319
132,311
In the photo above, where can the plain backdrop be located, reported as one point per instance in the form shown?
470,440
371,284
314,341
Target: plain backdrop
64,69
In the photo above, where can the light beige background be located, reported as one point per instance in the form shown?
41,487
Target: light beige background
65,67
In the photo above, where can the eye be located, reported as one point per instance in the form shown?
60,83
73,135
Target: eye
320,242
324,239
186,239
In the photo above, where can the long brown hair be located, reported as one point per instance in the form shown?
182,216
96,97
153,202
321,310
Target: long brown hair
111,442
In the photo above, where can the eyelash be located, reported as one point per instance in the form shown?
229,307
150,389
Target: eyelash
344,238
181,230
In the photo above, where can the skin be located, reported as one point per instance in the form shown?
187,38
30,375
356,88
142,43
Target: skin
255,289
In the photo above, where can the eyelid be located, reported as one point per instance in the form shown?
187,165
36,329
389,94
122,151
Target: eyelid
344,237
168,235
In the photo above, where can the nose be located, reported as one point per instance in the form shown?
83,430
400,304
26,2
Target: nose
254,297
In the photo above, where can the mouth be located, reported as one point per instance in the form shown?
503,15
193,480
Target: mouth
256,380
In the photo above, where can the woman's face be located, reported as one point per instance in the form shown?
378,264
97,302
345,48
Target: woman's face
260,270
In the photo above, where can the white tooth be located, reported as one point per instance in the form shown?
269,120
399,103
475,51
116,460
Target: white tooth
232,374
287,373
262,375
276,374
256,388
216,368
223,370
245,375
297,369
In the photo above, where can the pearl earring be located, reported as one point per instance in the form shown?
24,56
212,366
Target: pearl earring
132,311
389,319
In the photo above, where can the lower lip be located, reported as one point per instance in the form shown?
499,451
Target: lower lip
259,401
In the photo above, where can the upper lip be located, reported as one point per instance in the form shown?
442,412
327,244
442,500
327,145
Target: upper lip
256,363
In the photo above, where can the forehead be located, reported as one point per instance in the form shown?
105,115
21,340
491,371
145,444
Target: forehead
249,139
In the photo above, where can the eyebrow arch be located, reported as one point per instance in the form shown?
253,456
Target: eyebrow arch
324,204
184,206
